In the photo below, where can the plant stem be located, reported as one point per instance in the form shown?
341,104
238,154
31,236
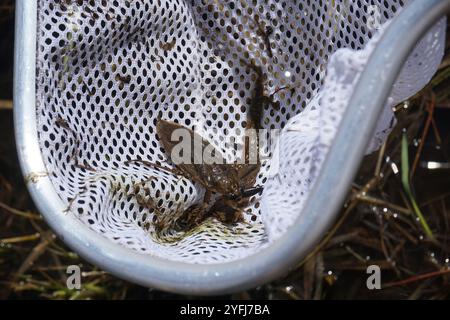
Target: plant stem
407,186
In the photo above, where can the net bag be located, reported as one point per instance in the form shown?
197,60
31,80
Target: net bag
108,71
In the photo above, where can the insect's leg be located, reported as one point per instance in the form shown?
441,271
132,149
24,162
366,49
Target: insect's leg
161,221
175,171
83,190
179,174
276,105
152,165
270,100
143,182
279,90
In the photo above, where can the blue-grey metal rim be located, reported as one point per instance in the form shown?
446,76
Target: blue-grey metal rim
322,206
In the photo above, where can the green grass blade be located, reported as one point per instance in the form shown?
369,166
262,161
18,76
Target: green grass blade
407,186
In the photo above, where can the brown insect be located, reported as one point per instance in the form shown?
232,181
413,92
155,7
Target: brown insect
92,14
259,98
233,182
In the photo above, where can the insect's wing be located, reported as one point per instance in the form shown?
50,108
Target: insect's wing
247,174
165,130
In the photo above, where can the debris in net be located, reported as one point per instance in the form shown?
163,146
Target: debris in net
234,183
259,98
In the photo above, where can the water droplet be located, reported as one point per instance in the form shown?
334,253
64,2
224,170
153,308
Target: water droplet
394,168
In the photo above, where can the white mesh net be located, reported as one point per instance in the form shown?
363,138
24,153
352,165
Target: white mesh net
107,70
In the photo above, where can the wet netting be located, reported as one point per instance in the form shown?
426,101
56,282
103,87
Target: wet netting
108,71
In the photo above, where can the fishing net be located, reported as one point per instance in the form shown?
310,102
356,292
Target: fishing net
107,71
